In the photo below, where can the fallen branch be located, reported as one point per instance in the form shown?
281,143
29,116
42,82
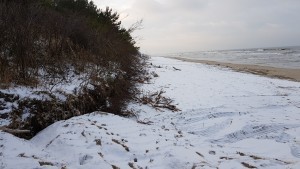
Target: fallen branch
145,121
176,68
157,101
14,131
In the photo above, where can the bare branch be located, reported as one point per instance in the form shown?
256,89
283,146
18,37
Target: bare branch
14,131
157,101
136,26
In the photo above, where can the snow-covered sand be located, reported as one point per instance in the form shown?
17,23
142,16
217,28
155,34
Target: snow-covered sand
273,72
227,120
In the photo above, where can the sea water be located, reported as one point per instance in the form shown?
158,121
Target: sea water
279,57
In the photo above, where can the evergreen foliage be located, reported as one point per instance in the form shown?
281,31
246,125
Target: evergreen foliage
42,40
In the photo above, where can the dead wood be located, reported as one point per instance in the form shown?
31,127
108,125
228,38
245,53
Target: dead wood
145,121
14,131
176,68
157,101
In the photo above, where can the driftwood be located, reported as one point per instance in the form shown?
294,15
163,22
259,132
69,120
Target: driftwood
145,121
158,101
14,131
176,68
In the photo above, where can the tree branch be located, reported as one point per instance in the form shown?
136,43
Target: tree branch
14,131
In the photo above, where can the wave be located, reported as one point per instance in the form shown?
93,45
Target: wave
282,57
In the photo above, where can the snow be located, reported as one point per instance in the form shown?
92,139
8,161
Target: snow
57,88
227,120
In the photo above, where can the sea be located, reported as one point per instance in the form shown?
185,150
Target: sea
278,57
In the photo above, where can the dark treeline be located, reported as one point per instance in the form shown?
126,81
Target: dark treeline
42,40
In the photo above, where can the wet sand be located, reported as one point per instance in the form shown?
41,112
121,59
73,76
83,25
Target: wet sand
281,73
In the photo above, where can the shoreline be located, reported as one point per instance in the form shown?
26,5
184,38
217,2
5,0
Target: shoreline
268,71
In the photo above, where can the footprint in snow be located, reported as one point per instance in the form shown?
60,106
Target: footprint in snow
295,150
271,131
212,129
84,159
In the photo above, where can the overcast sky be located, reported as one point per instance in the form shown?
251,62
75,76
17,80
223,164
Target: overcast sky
192,25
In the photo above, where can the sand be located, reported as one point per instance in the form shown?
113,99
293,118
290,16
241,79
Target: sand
281,73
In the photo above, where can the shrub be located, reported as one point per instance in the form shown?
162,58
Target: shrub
42,40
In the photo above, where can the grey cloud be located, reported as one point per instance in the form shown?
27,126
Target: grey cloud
190,5
182,25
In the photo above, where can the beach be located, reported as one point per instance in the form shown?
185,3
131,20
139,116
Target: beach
268,71
227,119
